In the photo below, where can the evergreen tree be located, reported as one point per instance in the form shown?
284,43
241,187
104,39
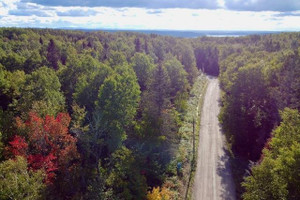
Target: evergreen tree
53,54
137,43
159,90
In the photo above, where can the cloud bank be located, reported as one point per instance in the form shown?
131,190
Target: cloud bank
239,5
163,14
263,5
195,4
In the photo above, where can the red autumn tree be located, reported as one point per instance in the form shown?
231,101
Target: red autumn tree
18,146
50,146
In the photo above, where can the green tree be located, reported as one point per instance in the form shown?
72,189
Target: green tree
84,65
125,177
158,97
34,62
78,123
41,93
143,67
88,85
53,55
68,54
178,77
277,176
248,112
137,44
11,84
19,183
117,58
287,90
159,49
12,61
264,184
185,55
117,104
207,58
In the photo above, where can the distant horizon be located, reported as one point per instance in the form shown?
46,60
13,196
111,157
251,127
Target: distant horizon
177,30
170,32
150,29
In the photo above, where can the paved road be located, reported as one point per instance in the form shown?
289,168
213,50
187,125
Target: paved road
213,180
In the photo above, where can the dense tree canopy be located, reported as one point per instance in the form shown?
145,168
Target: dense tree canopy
96,115
41,93
279,166
143,67
19,183
258,82
116,105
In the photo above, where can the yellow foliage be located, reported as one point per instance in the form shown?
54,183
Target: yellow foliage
159,194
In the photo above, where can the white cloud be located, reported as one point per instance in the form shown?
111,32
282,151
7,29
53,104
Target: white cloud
7,5
21,14
221,3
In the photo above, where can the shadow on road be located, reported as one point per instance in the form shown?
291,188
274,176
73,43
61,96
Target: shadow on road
224,171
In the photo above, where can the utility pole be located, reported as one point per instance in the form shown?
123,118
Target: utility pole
194,139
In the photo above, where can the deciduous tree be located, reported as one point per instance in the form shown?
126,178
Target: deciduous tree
17,182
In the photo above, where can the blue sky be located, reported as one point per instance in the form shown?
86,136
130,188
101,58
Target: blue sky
277,15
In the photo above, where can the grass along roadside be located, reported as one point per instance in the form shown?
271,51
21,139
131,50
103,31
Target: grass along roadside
197,131
181,180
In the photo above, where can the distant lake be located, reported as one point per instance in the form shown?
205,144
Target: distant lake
186,34
194,34
225,35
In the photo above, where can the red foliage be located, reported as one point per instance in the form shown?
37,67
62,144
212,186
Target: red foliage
18,146
48,163
52,148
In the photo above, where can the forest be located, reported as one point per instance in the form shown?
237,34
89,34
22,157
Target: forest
97,115
91,115
260,115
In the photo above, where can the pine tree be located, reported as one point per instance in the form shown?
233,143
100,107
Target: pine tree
137,43
53,54
160,88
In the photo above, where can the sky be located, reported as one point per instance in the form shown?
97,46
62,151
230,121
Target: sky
264,15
